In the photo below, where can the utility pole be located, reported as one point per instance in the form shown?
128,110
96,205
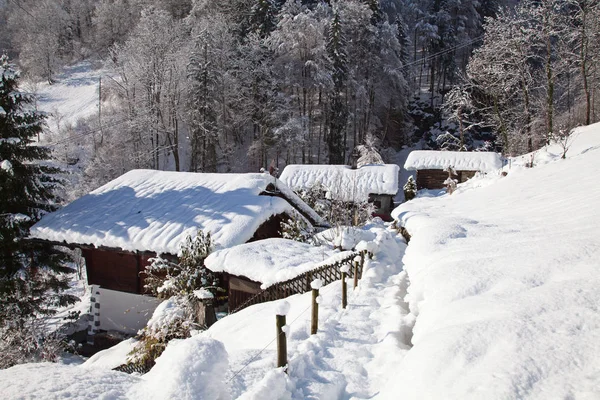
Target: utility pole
100,109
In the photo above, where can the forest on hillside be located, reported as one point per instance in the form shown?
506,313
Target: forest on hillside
198,85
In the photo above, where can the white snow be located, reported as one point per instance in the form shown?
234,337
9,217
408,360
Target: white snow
72,96
498,300
6,166
283,308
268,261
187,369
156,211
166,315
316,284
504,283
344,237
203,294
459,160
352,350
342,182
57,381
111,357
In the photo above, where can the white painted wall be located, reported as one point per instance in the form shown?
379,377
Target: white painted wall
120,311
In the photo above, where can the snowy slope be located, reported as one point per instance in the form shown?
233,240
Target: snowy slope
501,280
504,283
73,95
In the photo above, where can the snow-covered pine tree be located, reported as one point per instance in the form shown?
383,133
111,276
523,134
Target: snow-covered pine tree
32,275
410,189
368,153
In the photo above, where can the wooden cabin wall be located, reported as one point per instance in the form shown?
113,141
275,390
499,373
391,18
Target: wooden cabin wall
270,228
117,270
240,289
434,178
112,270
464,176
431,179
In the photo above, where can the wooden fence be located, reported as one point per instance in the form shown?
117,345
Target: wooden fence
301,284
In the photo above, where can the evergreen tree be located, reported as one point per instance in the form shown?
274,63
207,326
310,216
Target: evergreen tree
339,112
32,275
263,16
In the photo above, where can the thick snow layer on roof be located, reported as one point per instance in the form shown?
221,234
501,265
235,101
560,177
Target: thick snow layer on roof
459,160
156,210
268,261
342,182
504,283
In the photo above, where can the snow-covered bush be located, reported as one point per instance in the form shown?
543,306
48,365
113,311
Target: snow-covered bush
166,277
174,318
25,343
336,212
188,369
450,182
185,284
410,189
296,228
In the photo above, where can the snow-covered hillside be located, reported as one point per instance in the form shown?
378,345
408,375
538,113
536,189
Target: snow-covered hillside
504,283
498,299
74,95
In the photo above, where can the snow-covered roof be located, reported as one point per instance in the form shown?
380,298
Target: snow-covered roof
150,210
343,182
268,261
459,160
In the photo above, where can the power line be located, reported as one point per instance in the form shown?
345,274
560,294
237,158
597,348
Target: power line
448,50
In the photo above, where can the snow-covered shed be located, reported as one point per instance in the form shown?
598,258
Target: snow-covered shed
250,267
122,224
373,183
431,165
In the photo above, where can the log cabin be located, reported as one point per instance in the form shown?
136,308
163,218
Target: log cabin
120,226
431,166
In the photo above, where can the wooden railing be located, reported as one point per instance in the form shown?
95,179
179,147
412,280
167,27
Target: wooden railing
301,284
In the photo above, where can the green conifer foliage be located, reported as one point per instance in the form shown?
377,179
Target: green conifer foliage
32,275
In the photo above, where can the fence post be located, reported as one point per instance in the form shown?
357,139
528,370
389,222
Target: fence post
356,273
281,329
344,270
314,320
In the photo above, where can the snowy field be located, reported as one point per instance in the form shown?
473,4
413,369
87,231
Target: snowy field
504,283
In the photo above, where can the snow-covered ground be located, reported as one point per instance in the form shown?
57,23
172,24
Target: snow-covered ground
504,283
73,95
498,299
349,357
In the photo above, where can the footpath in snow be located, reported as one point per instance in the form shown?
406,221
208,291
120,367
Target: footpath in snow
350,355
504,283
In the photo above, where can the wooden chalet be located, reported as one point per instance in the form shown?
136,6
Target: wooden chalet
431,166
374,183
123,224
